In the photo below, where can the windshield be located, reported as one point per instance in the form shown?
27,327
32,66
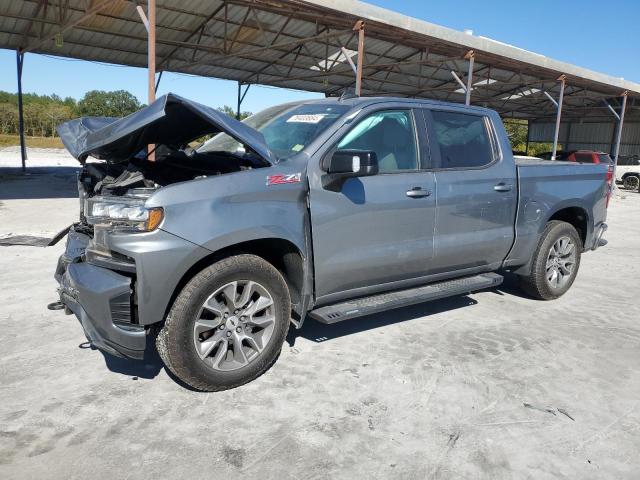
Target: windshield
287,129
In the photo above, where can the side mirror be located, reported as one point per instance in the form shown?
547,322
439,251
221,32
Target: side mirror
345,164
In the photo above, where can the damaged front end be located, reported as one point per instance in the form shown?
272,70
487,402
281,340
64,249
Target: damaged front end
109,274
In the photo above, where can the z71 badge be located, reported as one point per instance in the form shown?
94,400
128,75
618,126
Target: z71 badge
283,179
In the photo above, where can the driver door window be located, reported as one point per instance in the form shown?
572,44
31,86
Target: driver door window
391,135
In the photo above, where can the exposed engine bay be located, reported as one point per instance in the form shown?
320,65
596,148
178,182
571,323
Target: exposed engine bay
113,190
170,166
134,181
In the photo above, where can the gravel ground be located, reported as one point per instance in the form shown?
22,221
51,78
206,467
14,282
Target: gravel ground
43,201
432,391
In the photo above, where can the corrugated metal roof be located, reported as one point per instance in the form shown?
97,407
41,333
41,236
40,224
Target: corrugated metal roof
294,44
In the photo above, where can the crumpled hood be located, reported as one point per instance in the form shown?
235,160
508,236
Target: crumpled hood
170,120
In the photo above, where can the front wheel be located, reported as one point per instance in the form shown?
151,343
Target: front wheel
555,262
227,325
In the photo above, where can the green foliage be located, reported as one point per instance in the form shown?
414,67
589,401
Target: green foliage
517,132
98,103
232,113
538,148
42,113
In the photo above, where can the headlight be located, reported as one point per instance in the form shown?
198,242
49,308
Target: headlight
123,213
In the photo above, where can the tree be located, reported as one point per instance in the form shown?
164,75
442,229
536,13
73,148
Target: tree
98,103
8,117
57,114
517,132
232,113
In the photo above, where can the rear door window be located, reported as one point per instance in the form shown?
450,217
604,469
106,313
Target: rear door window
463,140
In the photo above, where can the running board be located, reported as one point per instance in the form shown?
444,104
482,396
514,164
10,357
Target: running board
386,301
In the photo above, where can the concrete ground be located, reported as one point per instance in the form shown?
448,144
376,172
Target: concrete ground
492,385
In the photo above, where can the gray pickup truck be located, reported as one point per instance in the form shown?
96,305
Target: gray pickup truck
330,209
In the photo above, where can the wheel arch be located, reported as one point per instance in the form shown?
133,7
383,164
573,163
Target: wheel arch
283,254
574,215
572,212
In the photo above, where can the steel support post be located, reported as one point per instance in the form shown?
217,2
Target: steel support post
151,16
359,27
619,135
241,98
155,90
239,101
23,146
562,80
471,57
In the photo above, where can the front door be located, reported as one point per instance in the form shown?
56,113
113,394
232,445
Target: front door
379,229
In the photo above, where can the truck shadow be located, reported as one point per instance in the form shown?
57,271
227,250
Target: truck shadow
319,332
511,286
148,368
315,331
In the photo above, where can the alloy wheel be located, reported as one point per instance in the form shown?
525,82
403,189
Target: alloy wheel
561,262
234,325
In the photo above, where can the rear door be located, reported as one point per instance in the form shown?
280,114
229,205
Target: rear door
377,230
477,191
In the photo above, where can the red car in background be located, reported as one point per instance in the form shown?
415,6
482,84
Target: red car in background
580,156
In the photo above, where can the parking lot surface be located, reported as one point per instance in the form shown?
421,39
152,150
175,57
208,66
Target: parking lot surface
490,385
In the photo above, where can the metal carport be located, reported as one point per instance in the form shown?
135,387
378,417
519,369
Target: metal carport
313,45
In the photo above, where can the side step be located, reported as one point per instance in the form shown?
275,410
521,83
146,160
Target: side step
386,301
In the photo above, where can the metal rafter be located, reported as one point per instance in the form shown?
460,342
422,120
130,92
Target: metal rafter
69,25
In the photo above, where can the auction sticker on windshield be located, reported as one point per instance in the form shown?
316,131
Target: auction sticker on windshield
312,118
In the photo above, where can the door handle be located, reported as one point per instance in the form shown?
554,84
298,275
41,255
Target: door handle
418,192
502,187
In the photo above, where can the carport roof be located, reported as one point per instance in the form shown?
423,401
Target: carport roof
303,45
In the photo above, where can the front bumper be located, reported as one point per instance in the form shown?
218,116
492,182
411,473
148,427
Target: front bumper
119,285
94,295
101,299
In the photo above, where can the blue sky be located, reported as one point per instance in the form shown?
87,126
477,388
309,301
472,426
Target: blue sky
602,36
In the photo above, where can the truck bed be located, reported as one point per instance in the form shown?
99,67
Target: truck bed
545,187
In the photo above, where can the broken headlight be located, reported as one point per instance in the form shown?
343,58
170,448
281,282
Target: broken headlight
123,213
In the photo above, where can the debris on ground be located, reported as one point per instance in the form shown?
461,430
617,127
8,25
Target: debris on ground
564,412
25,240
540,409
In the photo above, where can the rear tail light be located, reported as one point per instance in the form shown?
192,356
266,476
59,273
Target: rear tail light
609,189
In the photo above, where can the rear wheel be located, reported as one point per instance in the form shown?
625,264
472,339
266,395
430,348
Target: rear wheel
555,262
227,325
631,182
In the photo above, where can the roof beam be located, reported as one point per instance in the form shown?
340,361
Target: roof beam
69,25
34,16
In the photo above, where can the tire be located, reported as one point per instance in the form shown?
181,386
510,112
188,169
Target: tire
210,341
630,182
541,282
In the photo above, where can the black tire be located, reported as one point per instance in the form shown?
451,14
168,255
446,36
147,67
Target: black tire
630,182
536,283
175,341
